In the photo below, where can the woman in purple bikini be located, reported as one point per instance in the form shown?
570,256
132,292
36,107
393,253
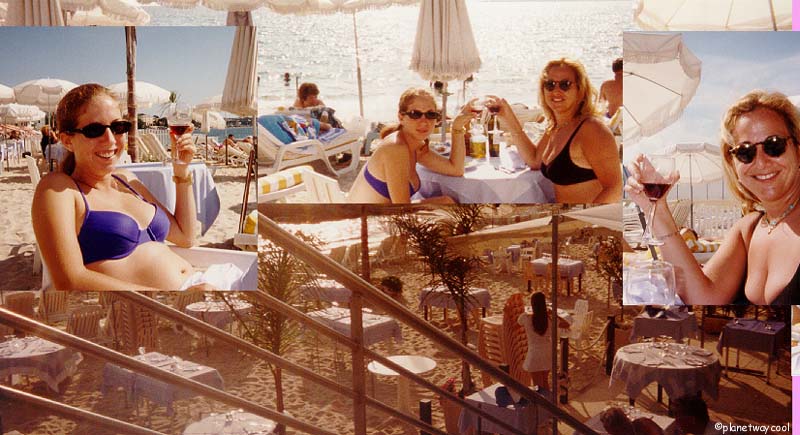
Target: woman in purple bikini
390,176
98,227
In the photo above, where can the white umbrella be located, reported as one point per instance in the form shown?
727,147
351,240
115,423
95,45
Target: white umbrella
147,94
698,163
714,14
660,77
42,93
210,103
444,46
106,12
34,13
209,119
308,7
6,95
239,94
14,113
219,5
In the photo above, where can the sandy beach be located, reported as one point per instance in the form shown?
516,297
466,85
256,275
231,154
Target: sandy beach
244,376
17,239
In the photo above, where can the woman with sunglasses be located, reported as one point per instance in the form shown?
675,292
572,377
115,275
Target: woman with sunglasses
98,227
390,175
577,151
758,260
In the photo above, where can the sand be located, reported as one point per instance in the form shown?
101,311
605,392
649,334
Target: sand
17,241
244,376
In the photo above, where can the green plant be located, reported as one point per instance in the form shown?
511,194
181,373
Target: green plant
609,259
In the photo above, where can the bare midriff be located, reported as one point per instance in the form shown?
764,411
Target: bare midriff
152,264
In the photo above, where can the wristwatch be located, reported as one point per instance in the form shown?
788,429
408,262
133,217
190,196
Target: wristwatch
183,180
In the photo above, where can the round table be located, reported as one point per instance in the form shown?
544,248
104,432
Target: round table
48,361
231,423
414,363
217,313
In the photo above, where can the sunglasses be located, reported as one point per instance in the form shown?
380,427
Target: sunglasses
95,129
416,114
774,146
550,84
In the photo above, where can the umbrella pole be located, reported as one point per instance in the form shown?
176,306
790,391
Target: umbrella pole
691,194
358,69
554,320
444,114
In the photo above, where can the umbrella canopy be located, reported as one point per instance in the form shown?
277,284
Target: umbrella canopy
239,94
210,103
13,113
106,12
209,119
308,7
444,46
6,95
219,5
659,78
714,14
34,13
147,94
42,93
698,163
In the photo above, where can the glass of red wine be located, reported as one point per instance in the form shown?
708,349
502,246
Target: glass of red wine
656,183
179,119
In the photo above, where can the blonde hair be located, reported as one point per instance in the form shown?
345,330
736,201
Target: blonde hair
756,99
587,93
405,100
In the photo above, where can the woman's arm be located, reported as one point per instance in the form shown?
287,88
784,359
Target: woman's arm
454,165
394,163
531,153
600,150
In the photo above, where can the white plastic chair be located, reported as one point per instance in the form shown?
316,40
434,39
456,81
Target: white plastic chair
270,149
323,189
581,306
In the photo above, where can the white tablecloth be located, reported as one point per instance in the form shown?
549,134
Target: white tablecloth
640,364
664,422
440,297
48,361
158,179
484,184
567,267
676,324
138,385
234,422
328,290
523,418
217,313
377,328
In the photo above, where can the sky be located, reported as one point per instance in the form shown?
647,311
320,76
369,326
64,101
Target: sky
191,61
734,63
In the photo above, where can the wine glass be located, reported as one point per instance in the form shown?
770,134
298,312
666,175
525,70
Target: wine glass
656,183
179,118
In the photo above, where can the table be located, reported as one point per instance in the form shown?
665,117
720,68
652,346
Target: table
640,364
377,328
521,417
440,297
413,363
755,335
567,268
217,313
484,183
328,290
234,422
676,324
48,361
666,423
515,251
157,177
137,385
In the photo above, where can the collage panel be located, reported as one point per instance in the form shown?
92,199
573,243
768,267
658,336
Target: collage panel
712,15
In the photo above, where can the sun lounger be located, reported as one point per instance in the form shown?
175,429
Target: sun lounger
154,147
275,187
323,189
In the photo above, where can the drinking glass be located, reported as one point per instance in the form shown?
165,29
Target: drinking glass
649,282
656,184
179,118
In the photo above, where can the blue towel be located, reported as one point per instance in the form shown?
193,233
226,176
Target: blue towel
278,125
331,134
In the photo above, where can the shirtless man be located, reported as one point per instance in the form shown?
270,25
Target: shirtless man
611,90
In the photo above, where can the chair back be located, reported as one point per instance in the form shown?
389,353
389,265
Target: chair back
323,189
490,344
581,306
21,303
268,144
84,321
155,147
337,253
143,149
137,327
53,306
515,340
187,298
33,170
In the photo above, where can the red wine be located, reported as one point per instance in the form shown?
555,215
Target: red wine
178,130
494,109
476,110
655,191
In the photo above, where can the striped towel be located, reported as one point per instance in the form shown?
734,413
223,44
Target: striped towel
331,134
281,180
251,223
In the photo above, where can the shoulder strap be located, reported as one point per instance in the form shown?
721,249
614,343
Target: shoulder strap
128,186
569,141
85,203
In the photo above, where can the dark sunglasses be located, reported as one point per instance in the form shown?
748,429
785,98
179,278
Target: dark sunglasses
565,84
774,146
95,129
416,114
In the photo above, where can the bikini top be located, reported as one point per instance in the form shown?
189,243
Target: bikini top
563,171
381,186
111,235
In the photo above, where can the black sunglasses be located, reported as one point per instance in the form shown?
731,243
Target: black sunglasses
416,114
95,129
550,84
774,146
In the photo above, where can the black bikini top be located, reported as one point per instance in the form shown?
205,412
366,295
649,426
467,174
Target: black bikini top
563,171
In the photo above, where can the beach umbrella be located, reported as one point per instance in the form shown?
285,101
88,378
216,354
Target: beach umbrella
444,46
147,94
106,12
659,78
239,94
209,119
713,14
210,103
34,13
309,7
698,163
14,113
42,93
6,95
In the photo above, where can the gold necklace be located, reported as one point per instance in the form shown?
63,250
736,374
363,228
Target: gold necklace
772,223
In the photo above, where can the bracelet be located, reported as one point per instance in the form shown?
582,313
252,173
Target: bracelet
672,234
454,130
183,180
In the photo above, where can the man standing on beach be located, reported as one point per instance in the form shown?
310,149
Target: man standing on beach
611,90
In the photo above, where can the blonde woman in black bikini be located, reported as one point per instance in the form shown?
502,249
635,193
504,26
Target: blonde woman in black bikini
759,257
577,151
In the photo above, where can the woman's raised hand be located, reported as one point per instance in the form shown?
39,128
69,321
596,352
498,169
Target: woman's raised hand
184,145
639,169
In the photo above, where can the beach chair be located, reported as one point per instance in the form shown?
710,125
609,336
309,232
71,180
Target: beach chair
515,340
53,306
278,154
138,328
277,186
579,332
21,303
490,344
84,322
322,189
154,147
143,150
33,171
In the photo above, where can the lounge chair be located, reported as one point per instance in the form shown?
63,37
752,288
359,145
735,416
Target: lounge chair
154,147
323,189
84,322
275,187
279,154
53,306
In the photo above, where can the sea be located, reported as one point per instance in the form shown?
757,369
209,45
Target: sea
515,40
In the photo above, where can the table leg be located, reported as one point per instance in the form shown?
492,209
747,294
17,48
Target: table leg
425,312
580,282
403,395
660,394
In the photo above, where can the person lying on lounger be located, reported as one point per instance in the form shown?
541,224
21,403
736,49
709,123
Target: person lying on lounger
98,227
308,98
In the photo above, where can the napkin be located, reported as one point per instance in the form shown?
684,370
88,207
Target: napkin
510,159
220,276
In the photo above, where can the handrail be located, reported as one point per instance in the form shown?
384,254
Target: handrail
356,284
68,411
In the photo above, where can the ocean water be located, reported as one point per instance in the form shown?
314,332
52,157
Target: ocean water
515,40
